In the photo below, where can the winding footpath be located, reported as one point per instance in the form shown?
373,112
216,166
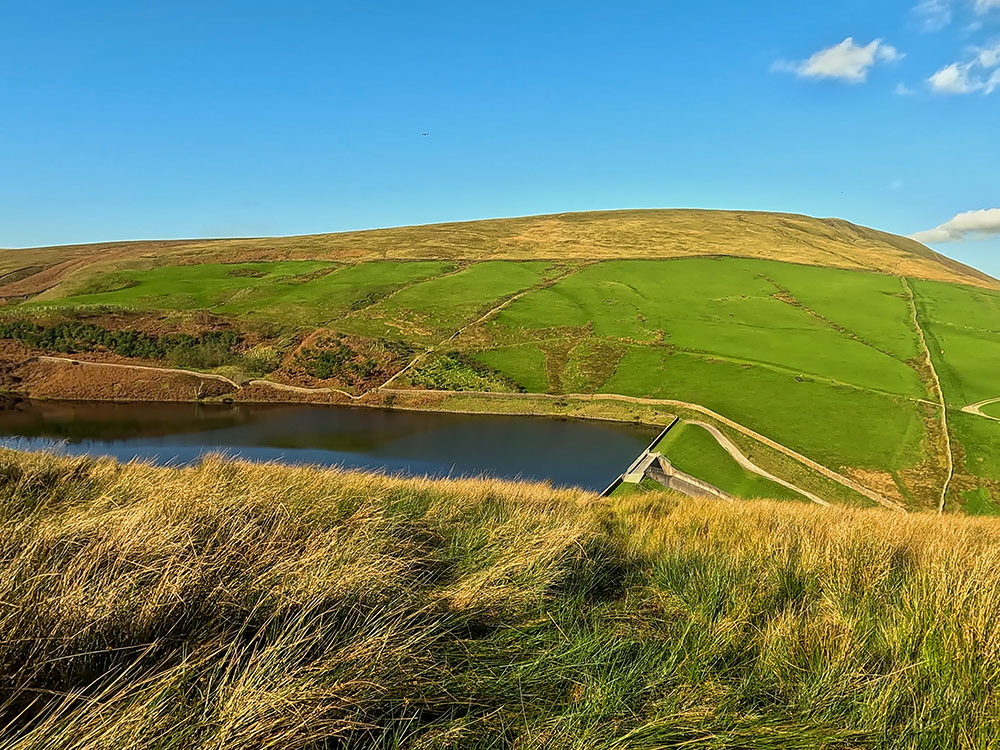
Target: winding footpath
977,409
113,365
940,395
730,448
481,319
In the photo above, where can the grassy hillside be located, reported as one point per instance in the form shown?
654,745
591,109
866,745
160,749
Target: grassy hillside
802,330
233,605
665,233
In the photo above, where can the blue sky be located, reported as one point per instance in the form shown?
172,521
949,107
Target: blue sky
125,120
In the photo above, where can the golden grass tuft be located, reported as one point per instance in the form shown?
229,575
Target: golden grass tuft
233,605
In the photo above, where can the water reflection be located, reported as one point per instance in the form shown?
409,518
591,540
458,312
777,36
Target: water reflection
569,453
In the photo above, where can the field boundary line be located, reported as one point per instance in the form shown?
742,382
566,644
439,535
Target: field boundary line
781,369
824,470
942,405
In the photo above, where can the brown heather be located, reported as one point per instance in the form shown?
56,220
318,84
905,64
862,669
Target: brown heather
232,605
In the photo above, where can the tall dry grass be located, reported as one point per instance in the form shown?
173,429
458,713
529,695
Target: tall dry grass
238,606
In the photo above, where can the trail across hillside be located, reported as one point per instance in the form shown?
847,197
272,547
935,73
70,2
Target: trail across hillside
977,408
115,365
481,319
730,448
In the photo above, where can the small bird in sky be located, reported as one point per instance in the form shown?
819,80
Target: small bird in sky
425,134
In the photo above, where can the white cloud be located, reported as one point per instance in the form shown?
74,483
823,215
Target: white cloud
985,223
903,90
934,14
954,79
846,61
989,57
980,73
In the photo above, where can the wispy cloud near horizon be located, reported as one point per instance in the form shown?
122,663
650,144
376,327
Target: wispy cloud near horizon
981,224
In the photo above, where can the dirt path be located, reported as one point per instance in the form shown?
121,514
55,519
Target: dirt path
203,375
818,467
302,389
940,394
977,409
746,463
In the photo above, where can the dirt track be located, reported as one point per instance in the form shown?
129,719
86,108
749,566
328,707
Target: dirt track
61,377
977,408
942,406
746,463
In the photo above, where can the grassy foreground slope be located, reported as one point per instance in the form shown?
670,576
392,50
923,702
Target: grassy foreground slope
799,329
237,605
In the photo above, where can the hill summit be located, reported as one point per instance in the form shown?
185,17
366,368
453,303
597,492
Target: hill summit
598,235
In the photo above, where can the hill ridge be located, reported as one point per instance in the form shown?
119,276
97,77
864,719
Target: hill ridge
596,235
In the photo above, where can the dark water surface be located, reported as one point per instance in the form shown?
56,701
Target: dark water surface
569,453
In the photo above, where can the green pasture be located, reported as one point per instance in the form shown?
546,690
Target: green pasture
693,450
992,409
836,425
980,439
962,325
524,365
296,293
426,312
979,502
197,287
870,307
327,298
731,308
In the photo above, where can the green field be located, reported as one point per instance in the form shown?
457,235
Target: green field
730,308
963,329
424,313
992,409
296,294
693,450
839,425
204,286
826,361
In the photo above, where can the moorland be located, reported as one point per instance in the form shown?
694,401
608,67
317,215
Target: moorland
856,364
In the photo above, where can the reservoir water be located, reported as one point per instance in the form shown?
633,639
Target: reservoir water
566,452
